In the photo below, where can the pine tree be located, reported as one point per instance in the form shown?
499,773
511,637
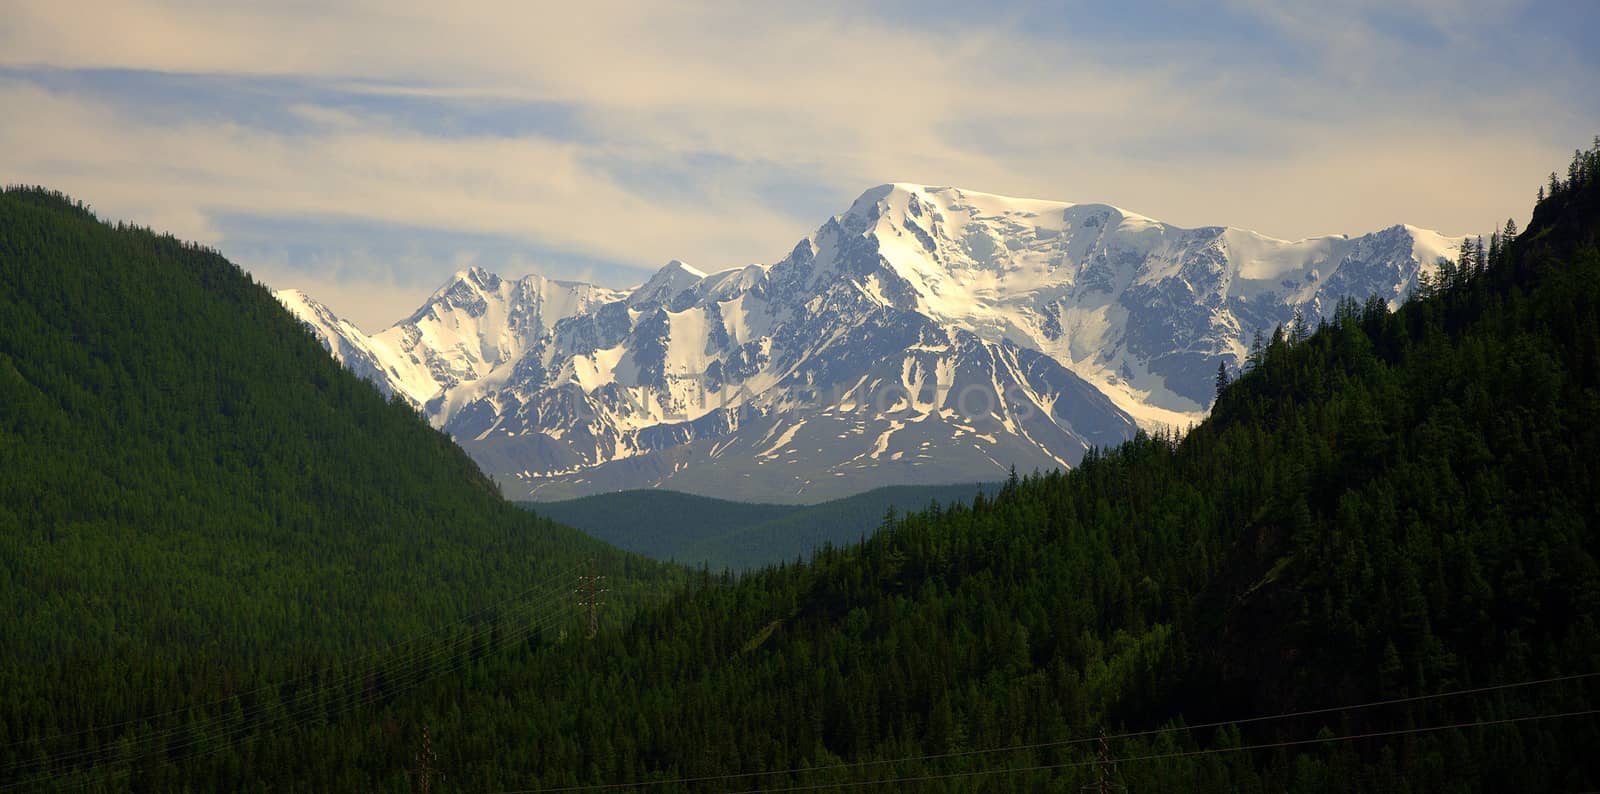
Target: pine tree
1448,272
1258,349
1222,377
1428,281
1466,261
1299,330
1348,311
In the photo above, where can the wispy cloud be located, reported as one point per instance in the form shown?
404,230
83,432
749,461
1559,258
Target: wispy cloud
616,135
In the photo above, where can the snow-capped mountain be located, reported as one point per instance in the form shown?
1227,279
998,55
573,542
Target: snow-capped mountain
468,330
1142,309
926,335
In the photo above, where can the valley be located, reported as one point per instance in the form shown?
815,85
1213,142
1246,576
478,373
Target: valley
1371,566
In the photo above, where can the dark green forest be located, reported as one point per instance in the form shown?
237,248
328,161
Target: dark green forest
196,500
700,531
1373,568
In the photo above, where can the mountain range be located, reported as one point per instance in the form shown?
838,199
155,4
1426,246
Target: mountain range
926,335
227,562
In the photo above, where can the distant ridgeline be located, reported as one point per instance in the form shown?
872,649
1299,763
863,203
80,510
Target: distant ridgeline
718,534
1373,568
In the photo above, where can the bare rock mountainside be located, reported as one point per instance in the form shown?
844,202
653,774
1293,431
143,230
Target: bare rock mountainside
926,335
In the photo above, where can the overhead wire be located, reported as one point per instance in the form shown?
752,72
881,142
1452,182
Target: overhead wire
1179,753
1067,742
309,704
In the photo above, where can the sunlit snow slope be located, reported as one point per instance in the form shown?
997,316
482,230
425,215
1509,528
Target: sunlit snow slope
1142,309
926,335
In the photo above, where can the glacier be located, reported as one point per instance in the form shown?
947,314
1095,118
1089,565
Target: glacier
925,335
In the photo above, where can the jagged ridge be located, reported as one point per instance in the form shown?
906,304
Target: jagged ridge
925,335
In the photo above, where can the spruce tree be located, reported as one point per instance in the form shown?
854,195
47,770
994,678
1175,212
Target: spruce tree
1299,330
1466,260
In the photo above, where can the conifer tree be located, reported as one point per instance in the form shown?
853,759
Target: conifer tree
1428,281
1466,260
1299,330
1258,349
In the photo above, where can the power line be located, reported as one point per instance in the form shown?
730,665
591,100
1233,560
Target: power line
589,592
1105,768
1181,753
1065,742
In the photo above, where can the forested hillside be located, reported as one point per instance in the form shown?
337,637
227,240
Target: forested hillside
1372,569
196,501
1382,513
716,533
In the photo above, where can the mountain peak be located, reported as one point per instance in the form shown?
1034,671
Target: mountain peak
1098,313
670,281
679,266
477,275
292,295
308,309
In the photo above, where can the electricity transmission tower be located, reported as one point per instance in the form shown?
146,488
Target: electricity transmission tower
425,761
1105,768
589,592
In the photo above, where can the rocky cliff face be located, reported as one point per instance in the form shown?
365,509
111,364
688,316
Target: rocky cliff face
926,335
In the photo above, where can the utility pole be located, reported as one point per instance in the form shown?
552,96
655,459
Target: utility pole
1105,768
425,760
589,591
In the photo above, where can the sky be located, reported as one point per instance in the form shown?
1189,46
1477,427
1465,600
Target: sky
366,151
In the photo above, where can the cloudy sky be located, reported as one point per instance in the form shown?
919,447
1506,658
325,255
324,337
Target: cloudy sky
365,151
